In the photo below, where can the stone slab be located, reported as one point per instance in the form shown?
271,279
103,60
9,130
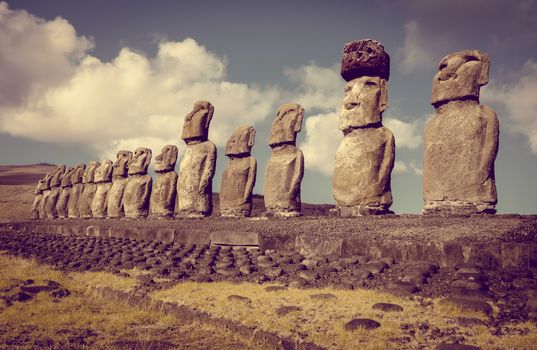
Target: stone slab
239,238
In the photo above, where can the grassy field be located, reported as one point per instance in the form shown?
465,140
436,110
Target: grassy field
322,320
17,185
82,321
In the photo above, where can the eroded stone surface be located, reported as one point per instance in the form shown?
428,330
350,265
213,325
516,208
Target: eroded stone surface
55,182
120,170
165,188
88,191
285,168
461,141
65,191
138,189
76,190
196,171
365,58
238,179
103,180
37,206
365,158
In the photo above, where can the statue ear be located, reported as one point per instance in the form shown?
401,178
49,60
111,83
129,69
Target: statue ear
210,112
300,116
175,152
383,95
148,158
484,72
251,139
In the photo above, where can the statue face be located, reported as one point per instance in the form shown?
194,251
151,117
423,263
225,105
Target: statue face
287,124
78,173
121,165
140,161
196,125
44,183
460,75
167,158
104,172
365,100
66,178
89,174
57,176
241,141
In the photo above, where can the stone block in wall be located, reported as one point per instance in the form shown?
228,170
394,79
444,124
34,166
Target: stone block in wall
166,235
235,238
319,246
514,255
192,237
93,230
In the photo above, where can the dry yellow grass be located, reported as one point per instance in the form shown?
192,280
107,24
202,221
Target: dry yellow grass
322,321
83,321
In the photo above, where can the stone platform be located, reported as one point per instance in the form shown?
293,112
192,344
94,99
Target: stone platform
491,242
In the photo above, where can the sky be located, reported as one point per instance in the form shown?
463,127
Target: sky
81,80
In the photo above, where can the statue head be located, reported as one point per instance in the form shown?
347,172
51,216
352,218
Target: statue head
365,99
78,173
287,124
196,125
241,141
44,183
366,68
460,76
55,181
167,158
104,172
140,161
121,165
89,174
66,178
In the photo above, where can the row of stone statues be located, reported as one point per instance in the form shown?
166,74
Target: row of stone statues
461,143
123,188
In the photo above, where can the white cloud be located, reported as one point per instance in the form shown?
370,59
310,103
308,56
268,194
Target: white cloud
132,101
518,96
407,134
318,87
35,54
321,143
401,167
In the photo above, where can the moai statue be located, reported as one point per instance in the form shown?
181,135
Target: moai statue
165,189
196,171
364,160
103,179
119,182
45,192
88,191
285,167
461,141
238,179
55,182
65,192
38,199
76,191
138,189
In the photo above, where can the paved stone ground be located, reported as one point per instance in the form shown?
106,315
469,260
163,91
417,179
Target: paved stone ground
470,287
